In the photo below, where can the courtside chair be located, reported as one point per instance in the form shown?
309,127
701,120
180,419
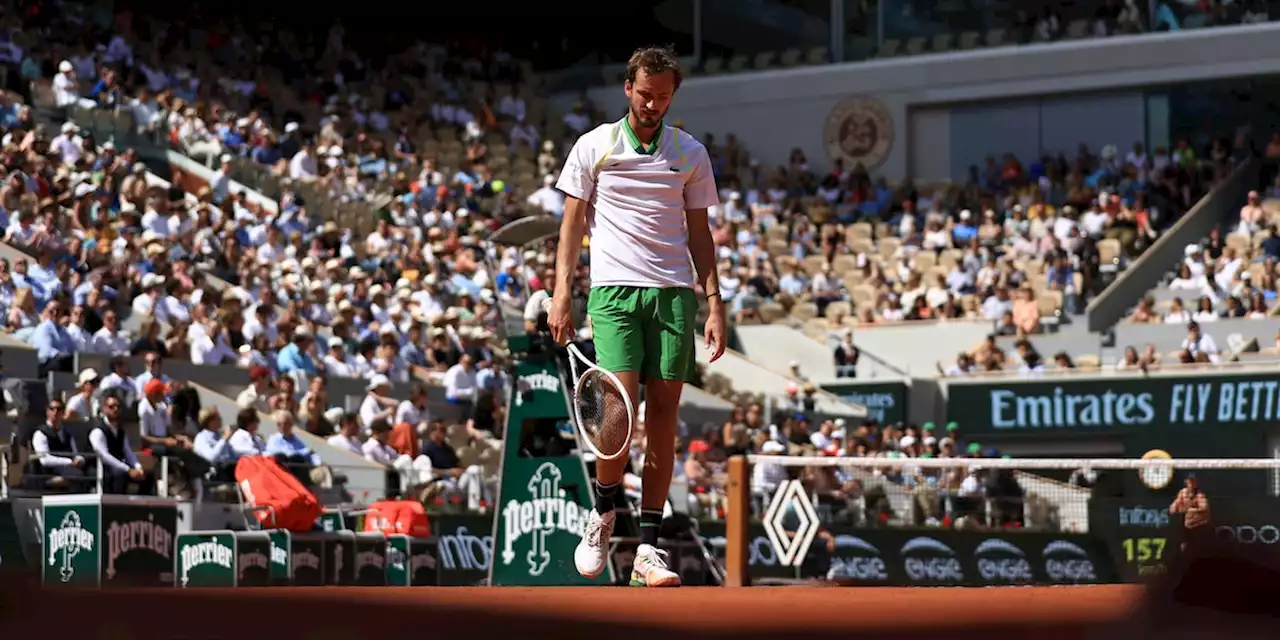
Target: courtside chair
1078,29
942,42
890,48
915,46
970,40
738,63
791,57
818,55
995,38
713,66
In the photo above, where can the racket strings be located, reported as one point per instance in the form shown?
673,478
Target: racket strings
603,413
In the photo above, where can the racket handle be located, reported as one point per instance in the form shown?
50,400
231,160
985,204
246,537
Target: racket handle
546,305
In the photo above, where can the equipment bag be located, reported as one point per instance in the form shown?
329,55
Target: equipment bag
393,517
264,483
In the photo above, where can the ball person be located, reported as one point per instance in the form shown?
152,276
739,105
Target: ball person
641,190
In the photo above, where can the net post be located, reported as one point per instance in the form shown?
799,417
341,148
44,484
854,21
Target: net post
737,514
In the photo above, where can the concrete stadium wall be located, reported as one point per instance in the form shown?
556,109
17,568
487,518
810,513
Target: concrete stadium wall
776,111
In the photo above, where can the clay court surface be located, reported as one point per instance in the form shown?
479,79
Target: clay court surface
614,613
565,612
777,610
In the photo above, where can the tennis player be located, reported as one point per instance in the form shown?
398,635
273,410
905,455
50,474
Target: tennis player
641,190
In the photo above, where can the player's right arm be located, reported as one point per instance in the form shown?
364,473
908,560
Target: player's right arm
578,183
572,229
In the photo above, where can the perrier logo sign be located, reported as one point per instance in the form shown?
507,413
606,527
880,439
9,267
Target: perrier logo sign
207,560
546,511
541,381
67,541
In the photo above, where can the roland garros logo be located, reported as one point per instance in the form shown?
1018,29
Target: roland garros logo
859,130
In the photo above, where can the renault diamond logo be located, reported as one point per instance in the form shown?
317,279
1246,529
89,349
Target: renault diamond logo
791,549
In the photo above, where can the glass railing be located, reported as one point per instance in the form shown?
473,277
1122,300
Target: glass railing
752,27
891,28
739,35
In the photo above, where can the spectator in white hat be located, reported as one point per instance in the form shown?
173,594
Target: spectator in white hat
336,360
84,405
65,93
377,403
148,302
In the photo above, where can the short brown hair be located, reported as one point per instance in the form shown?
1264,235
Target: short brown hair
654,60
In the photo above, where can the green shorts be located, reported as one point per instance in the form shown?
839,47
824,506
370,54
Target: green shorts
645,329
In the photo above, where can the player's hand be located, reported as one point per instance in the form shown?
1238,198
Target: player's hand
135,473
716,334
560,318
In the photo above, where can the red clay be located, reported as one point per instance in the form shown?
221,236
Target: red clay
600,613
772,609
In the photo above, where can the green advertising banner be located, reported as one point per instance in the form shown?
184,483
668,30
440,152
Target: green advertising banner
281,556
543,501
72,544
411,562
108,540
886,401
331,521
1116,404
206,559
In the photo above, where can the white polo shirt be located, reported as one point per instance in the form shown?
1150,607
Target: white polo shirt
639,197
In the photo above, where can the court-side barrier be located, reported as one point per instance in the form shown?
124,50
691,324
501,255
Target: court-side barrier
791,539
93,540
277,558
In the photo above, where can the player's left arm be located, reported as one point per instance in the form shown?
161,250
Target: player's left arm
700,194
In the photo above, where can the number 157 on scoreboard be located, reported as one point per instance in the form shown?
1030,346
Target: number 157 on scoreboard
1143,550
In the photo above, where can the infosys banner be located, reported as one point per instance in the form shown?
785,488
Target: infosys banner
1115,404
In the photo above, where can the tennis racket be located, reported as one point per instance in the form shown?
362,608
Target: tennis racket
602,408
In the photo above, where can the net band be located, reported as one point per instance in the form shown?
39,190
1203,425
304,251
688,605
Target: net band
1072,464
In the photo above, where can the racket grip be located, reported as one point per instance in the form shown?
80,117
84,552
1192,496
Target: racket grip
546,305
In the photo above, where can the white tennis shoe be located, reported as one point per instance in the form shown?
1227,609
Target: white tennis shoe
650,569
592,555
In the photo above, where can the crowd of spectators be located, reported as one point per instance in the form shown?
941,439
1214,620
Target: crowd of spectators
940,497
1013,244
449,147
1152,191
